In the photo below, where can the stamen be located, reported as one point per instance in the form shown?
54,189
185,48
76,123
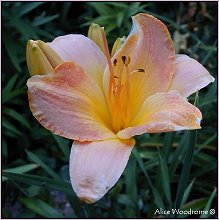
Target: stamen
111,80
119,89
119,116
128,110
126,60
141,70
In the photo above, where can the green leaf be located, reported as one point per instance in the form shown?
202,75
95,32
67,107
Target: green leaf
100,20
51,184
43,20
28,7
101,8
186,169
178,155
131,186
208,141
195,204
208,205
12,95
37,160
168,141
11,49
40,181
210,97
33,190
126,200
118,4
187,192
11,83
30,191
120,18
208,55
64,11
130,178
4,149
17,116
63,145
164,177
20,169
157,198
206,169
41,208
8,125
76,206
22,26
10,91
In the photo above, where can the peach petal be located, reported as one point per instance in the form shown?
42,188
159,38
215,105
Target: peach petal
83,51
70,103
150,48
95,167
163,112
189,76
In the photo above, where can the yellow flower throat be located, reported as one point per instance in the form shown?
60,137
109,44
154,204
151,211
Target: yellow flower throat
119,89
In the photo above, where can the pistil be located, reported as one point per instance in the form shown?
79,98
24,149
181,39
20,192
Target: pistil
107,54
119,89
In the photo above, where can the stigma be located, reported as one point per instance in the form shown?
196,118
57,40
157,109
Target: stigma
119,102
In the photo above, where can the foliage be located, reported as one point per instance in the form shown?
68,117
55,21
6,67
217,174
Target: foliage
164,171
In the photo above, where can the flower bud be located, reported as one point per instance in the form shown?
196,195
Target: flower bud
95,34
41,59
117,45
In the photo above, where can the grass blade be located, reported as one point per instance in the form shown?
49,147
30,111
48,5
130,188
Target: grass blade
41,181
21,169
164,177
17,116
11,50
208,141
63,145
194,205
11,83
208,205
186,169
28,7
187,192
157,198
9,126
41,208
30,191
131,186
178,154
50,184
130,178
42,20
168,141
37,160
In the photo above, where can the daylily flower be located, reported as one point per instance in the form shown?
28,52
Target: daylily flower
80,92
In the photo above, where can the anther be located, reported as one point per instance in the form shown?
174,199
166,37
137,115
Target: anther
114,62
116,77
141,70
126,60
115,90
